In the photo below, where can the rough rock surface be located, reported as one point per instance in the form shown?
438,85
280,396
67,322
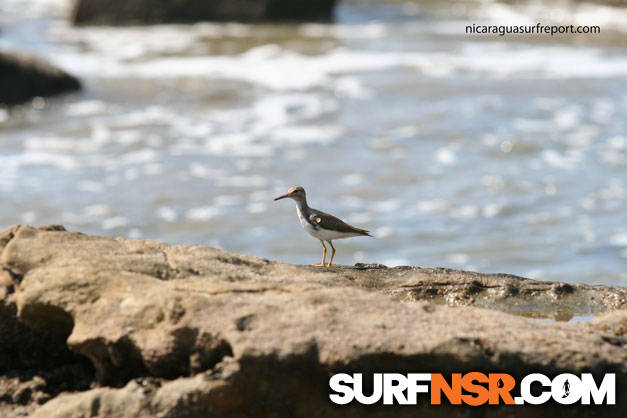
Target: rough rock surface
23,77
117,12
174,331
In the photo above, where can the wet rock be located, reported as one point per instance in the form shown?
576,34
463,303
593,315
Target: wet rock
23,77
112,12
192,331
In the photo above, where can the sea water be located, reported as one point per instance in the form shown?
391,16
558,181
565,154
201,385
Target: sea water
487,153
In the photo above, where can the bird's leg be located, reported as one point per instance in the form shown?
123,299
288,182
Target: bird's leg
324,256
332,254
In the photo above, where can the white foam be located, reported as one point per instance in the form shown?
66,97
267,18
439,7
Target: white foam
350,201
352,179
96,211
494,182
280,69
91,186
128,137
264,195
29,217
242,181
140,157
568,117
603,110
202,213
167,214
228,200
115,222
235,143
618,143
491,210
614,190
389,205
203,171
34,158
357,31
556,159
433,206
458,258
619,239
131,173
408,131
36,8
394,262
277,110
535,274
152,169
256,207
61,144
499,59
464,212
85,108
505,14
359,217
306,134
532,125
556,13
383,232
351,87
547,103
446,156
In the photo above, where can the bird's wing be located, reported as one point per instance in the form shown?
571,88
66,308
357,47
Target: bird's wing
326,221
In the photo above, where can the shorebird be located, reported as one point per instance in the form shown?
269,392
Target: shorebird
321,225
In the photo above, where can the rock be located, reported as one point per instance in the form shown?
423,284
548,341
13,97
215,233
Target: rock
112,12
23,77
176,331
617,3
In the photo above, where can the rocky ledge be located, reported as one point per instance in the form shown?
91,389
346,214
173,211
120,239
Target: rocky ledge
124,12
23,77
93,326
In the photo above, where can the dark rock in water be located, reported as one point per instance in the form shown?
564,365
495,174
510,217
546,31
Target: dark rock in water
23,77
145,329
121,12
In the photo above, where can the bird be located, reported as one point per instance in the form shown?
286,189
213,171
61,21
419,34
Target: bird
321,225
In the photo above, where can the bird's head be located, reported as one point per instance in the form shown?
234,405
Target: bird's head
295,192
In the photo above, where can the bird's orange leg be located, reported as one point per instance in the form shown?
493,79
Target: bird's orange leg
324,256
332,254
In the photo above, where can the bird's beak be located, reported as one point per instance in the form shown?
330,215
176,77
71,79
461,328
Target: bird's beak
282,197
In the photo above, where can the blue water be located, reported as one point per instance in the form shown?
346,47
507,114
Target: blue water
494,154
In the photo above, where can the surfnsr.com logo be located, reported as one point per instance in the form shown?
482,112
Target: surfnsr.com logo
472,388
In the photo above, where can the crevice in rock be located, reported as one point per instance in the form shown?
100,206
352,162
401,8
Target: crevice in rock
15,277
244,323
36,363
193,353
116,363
227,291
170,271
239,261
7,235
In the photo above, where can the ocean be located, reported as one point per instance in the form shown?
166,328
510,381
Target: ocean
479,152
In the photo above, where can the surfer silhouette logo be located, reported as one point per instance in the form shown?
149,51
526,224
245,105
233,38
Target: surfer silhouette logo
566,389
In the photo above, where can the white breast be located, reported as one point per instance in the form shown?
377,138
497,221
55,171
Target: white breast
306,225
323,234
